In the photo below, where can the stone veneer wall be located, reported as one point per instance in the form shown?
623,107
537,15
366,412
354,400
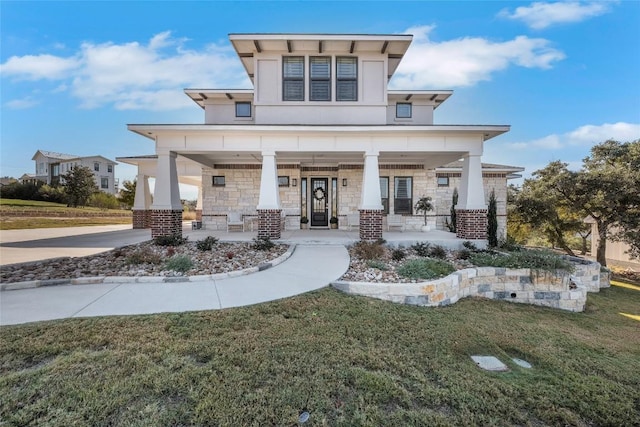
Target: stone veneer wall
141,219
514,285
166,222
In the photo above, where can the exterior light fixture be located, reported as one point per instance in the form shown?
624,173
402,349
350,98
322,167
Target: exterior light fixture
344,182
294,182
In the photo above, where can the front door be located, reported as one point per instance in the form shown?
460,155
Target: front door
319,202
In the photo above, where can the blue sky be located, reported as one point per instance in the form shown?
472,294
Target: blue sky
73,74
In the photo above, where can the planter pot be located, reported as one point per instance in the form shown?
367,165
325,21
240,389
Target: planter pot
304,226
334,226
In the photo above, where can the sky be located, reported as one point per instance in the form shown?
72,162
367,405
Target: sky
73,74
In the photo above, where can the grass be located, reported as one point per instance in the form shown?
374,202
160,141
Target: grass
14,223
30,203
349,361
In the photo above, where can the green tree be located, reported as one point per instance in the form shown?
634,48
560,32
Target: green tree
452,226
492,221
128,193
79,185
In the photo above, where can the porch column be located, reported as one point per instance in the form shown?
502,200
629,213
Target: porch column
371,208
199,204
471,210
269,211
166,215
142,203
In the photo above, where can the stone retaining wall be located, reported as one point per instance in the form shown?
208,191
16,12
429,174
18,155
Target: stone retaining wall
556,290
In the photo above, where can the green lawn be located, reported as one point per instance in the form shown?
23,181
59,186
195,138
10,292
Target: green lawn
30,203
347,360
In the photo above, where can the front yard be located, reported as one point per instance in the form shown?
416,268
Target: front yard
345,360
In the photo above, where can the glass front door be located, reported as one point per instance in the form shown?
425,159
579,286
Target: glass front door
319,202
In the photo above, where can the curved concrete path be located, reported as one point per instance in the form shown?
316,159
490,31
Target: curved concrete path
310,267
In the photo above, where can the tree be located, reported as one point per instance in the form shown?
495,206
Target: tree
424,205
492,221
452,226
605,188
79,185
128,193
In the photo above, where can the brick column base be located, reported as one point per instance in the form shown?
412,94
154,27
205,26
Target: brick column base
471,224
370,224
165,222
141,219
198,214
269,223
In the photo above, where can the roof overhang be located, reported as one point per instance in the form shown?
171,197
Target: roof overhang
248,45
201,96
434,96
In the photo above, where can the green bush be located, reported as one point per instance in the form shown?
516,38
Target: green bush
263,243
425,268
534,259
171,240
179,263
103,200
438,252
369,250
398,254
377,264
422,248
463,254
470,245
206,244
141,256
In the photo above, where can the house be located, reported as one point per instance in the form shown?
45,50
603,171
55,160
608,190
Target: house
320,135
51,166
616,253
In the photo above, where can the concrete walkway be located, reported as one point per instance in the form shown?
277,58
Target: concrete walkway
310,267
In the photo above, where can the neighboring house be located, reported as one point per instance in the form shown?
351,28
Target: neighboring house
616,252
6,180
28,178
320,135
51,166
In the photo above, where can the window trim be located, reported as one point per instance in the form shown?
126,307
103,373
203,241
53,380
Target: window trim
410,105
102,181
444,184
96,166
395,198
283,181
238,103
221,181
292,79
340,79
316,79
385,208
109,168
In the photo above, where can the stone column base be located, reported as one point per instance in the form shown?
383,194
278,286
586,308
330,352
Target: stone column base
141,219
471,224
370,224
165,222
269,223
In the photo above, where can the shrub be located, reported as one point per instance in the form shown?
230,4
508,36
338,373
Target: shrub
438,252
230,255
369,250
103,200
52,194
426,268
470,245
534,259
463,254
206,244
263,243
141,256
179,263
171,240
492,221
398,254
377,264
421,248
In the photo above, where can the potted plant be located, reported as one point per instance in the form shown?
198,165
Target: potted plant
334,222
303,222
424,205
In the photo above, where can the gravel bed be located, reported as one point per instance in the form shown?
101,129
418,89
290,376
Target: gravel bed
145,259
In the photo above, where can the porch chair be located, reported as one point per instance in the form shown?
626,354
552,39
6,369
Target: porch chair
394,220
353,221
234,219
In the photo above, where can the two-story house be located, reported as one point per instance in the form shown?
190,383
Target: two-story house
51,166
320,135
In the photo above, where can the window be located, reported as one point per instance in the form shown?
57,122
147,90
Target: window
104,182
384,193
96,167
347,78
443,181
293,78
55,169
218,181
110,168
403,204
283,181
243,109
320,78
403,110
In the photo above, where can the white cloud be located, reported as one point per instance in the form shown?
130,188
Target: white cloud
21,104
541,15
467,61
133,75
586,135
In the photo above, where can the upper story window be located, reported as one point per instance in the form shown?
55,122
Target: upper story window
293,78
243,109
320,78
96,167
110,168
403,110
346,78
